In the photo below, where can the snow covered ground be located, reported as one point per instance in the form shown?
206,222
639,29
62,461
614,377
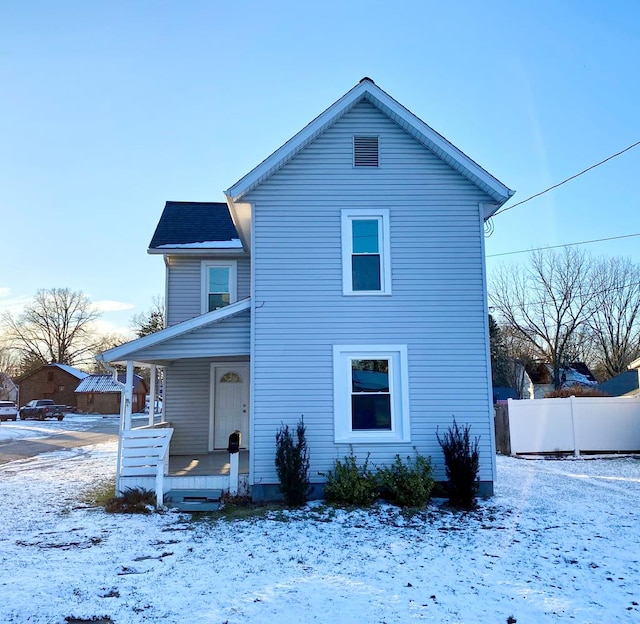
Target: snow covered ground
559,542
34,429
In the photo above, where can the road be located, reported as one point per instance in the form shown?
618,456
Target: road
55,436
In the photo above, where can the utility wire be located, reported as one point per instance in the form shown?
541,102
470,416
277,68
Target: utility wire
604,291
573,177
596,240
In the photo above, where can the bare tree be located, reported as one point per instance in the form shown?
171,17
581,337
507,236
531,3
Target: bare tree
615,324
57,326
547,303
149,321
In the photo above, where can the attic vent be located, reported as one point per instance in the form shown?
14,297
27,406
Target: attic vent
365,151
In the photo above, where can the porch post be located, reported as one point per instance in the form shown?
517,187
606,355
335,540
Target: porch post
128,393
234,459
152,394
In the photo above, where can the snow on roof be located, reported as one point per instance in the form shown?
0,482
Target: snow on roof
103,383
72,371
231,244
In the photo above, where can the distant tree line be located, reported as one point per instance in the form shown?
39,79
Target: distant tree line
561,307
60,326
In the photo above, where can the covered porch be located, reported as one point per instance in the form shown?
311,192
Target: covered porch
201,439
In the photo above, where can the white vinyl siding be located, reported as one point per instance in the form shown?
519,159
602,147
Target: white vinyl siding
227,337
437,306
184,285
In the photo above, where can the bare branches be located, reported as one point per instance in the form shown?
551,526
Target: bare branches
569,307
57,326
546,303
615,323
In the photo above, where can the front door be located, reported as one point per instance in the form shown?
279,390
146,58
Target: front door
230,405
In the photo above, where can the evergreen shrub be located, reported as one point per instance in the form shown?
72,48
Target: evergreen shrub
350,484
292,464
406,485
462,465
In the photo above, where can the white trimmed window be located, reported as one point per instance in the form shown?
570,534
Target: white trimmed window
366,252
371,393
219,284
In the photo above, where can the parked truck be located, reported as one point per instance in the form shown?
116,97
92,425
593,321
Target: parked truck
41,409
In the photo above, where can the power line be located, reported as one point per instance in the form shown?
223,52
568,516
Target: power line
573,177
596,240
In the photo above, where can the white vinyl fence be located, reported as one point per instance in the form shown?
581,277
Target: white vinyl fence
576,424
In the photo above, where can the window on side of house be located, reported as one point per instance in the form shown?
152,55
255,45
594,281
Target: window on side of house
366,251
219,284
371,396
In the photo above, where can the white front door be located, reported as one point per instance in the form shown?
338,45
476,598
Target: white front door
230,405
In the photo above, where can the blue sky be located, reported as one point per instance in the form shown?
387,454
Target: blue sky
109,109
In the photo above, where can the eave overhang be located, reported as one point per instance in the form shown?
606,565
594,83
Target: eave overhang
128,351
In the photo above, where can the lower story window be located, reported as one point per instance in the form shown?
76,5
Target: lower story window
371,398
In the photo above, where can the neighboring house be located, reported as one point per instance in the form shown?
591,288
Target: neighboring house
99,394
342,280
501,395
8,389
625,384
51,381
574,374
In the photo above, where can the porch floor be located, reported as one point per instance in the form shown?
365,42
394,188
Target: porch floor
216,463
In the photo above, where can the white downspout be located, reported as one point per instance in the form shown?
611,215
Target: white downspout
152,394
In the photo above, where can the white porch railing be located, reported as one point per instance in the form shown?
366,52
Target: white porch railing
144,453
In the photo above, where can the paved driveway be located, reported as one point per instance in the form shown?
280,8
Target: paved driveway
28,438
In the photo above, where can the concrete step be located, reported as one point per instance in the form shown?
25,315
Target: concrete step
194,500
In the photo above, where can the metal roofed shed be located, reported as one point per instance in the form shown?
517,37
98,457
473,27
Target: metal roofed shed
99,394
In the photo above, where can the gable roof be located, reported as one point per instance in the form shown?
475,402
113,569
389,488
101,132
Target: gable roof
104,383
78,374
188,226
127,350
366,89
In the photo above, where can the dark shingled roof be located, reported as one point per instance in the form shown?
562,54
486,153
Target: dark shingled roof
182,223
622,384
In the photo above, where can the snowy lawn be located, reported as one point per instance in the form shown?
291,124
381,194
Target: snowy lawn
559,542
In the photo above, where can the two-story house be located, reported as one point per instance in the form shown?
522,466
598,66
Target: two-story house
343,279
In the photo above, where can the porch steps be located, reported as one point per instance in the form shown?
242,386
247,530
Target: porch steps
194,500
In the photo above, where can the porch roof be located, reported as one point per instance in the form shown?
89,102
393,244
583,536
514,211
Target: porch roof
172,343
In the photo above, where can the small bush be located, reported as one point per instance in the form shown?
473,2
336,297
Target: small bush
406,485
350,484
132,500
578,391
462,464
292,465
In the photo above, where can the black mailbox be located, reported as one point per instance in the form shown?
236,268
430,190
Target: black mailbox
235,439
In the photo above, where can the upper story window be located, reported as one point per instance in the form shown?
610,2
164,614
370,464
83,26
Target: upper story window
219,284
366,253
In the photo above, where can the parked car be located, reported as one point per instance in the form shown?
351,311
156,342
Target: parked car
41,409
8,410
